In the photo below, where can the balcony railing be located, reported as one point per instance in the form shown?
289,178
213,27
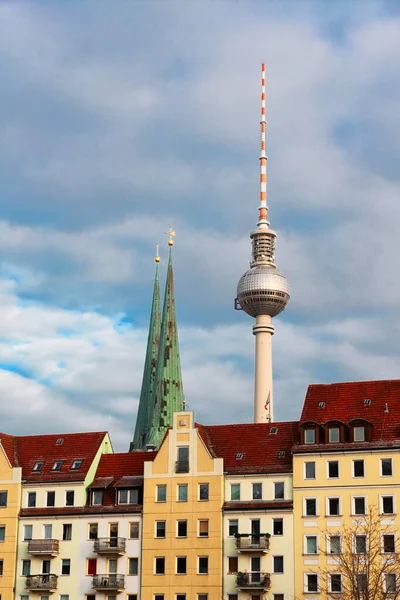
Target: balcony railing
45,547
255,580
46,582
252,543
182,466
108,582
111,545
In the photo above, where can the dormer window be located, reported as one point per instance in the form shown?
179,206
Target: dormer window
130,496
334,435
359,434
57,465
309,436
76,465
59,441
38,466
97,497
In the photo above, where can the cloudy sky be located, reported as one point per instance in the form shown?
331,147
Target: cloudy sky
120,118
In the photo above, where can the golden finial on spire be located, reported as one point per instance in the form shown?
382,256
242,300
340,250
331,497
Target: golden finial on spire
157,257
171,234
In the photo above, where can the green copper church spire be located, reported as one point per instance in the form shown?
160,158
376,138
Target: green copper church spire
145,411
168,389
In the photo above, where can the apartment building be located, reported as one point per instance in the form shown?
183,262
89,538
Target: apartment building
347,461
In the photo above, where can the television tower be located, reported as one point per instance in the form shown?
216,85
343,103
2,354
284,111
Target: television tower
263,292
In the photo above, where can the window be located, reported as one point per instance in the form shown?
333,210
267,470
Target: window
334,435
359,505
309,436
232,565
203,565
311,583
180,597
76,465
277,526
232,597
182,463
66,566
2,533
160,529
390,582
386,467
310,507
57,465
93,531
67,532
134,530
3,499
233,527
279,597
31,499
92,566
66,597
335,544
131,597
273,431
158,596
278,564
360,544
28,532
128,496
202,596
69,498
160,566
38,466
309,470
51,499
333,469
359,434
235,491
161,493
203,491
182,492
26,568
335,582
97,497
181,529
362,582
203,528
333,507
257,491
387,505
181,565
133,565
358,468
389,543
279,490
48,532
311,544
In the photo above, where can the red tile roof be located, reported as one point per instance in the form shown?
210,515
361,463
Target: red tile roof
259,505
262,451
24,451
345,402
79,510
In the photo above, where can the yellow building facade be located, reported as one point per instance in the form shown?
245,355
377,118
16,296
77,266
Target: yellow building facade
10,498
182,518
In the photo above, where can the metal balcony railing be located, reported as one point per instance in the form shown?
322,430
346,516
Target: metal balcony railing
255,580
46,582
45,547
182,466
108,582
252,543
111,545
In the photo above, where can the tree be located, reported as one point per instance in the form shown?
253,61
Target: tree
365,563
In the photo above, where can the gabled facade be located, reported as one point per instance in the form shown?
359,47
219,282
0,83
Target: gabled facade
182,519
347,461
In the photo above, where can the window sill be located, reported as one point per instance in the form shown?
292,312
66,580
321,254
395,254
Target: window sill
334,516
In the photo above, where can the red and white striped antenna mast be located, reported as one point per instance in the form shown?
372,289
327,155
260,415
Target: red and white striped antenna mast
263,208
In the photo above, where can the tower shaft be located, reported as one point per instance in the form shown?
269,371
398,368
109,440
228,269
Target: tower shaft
263,331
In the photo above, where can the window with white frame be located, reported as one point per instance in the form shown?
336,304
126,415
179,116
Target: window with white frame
358,468
309,469
388,543
204,491
390,580
159,565
386,467
235,491
277,562
359,434
334,435
97,497
335,544
311,582
128,496
203,565
310,507
28,532
333,469
279,490
181,528
161,493
233,527
182,492
257,491
387,505
31,499
160,529
310,544
359,505
335,583
277,526
360,543
333,507
309,436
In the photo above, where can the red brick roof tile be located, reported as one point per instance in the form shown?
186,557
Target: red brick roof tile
259,505
9,444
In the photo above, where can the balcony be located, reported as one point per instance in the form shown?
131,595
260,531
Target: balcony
43,547
113,545
109,582
255,581
182,466
45,582
252,543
